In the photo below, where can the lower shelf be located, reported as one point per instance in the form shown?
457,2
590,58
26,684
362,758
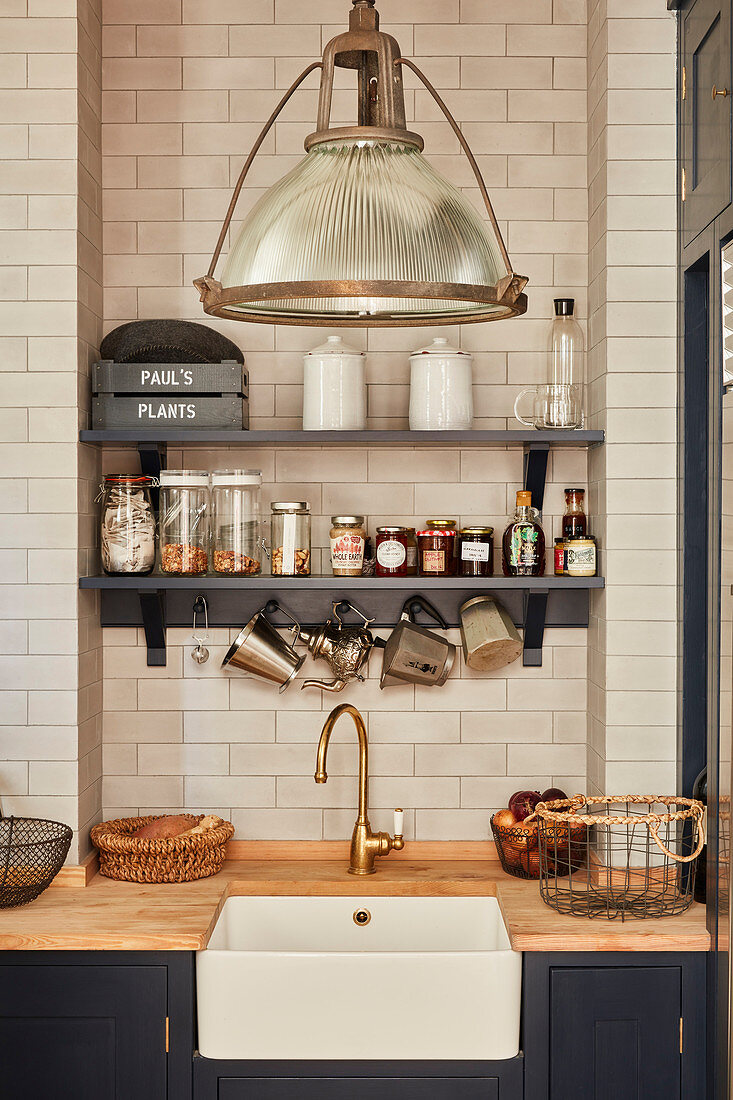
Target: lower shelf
533,602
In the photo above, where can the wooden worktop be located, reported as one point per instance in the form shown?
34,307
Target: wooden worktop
124,916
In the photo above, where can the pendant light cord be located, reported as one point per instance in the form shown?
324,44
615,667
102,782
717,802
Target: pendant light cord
248,163
467,150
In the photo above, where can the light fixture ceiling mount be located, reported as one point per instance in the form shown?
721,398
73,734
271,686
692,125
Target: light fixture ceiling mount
364,231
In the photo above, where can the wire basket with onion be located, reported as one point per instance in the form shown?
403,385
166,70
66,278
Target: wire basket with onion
516,834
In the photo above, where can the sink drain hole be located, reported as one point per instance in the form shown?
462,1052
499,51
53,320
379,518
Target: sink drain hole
362,917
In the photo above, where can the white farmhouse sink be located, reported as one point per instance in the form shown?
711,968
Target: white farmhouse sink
297,977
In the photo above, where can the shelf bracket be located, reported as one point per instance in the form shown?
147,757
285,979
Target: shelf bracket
152,609
152,461
535,610
535,472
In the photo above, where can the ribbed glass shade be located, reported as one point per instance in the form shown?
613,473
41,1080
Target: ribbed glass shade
364,211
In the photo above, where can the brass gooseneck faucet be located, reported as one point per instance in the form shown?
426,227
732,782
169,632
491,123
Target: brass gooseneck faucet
365,845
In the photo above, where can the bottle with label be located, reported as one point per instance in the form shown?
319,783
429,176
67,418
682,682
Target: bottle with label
575,521
524,541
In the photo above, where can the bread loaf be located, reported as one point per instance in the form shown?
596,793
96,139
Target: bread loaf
168,826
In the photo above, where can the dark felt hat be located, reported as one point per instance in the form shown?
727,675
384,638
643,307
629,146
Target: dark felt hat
167,341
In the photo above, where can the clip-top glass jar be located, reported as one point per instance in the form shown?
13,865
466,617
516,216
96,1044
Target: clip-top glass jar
291,538
127,535
184,522
236,537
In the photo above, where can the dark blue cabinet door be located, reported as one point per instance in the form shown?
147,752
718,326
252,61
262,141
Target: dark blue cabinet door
705,113
615,1032
83,1033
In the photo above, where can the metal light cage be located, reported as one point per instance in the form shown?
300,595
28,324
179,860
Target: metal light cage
364,231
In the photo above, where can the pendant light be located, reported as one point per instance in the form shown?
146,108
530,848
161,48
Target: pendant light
364,231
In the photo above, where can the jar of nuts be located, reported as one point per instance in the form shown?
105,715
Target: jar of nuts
235,524
184,522
290,538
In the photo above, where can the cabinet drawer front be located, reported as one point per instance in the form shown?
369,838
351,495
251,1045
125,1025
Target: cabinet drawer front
349,1088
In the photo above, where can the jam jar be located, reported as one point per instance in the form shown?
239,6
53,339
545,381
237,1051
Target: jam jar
437,548
411,552
391,552
476,552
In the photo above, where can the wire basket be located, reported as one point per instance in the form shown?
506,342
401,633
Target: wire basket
518,848
32,852
619,856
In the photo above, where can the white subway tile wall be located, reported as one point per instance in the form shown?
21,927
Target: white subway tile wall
50,326
632,668
184,89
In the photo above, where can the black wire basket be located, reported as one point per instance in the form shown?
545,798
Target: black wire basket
32,852
518,848
619,856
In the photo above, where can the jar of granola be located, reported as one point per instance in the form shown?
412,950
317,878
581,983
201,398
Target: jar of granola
290,533
235,524
184,522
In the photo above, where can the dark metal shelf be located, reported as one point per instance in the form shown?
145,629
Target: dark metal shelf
533,602
160,581
495,436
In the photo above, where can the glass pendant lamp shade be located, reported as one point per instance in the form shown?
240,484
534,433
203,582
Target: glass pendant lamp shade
368,212
364,231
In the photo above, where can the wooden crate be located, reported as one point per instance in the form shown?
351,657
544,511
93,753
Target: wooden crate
173,395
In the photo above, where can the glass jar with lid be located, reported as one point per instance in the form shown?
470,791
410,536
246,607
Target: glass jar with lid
391,552
476,552
127,534
235,523
184,522
290,534
347,537
437,548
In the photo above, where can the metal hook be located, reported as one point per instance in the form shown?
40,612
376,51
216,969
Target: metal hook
200,607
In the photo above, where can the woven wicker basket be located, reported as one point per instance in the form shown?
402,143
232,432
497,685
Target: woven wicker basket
172,859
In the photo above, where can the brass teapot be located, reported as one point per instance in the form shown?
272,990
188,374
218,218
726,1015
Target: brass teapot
346,648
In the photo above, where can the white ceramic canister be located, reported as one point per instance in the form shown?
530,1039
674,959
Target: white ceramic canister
334,388
441,388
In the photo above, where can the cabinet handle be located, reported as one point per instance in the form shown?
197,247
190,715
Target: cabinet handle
719,91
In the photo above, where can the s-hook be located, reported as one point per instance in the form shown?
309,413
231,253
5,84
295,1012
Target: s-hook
200,607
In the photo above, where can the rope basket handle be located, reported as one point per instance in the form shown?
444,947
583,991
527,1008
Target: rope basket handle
654,827
693,811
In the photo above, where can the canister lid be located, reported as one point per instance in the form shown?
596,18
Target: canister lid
127,479
236,477
347,521
335,345
184,479
441,347
290,506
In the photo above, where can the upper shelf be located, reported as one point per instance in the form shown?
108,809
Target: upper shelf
481,436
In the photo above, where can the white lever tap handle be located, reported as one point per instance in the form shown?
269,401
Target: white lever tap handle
399,822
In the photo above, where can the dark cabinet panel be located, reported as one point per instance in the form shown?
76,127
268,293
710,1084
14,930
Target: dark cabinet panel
367,1080
615,1032
83,1032
705,113
344,1088
606,1025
